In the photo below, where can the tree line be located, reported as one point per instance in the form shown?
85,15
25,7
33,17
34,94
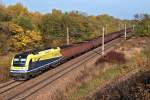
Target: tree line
142,24
21,29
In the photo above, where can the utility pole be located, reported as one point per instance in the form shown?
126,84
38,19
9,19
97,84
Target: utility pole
125,33
133,27
103,41
106,29
68,36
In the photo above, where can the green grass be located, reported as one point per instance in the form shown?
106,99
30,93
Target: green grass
87,87
114,72
107,75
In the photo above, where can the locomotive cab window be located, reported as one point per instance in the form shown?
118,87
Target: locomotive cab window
19,62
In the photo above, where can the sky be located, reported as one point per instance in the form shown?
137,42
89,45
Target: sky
123,9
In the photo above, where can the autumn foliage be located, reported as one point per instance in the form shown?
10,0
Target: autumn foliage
21,29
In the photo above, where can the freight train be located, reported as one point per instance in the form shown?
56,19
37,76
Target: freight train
31,63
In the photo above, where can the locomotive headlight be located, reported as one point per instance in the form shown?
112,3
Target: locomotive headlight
25,71
23,60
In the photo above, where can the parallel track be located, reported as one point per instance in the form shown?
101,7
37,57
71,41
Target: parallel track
6,83
25,94
9,86
36,86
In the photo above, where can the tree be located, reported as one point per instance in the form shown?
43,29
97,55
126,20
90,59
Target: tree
4,14
26,40
17,10
21,29
143,25
24,22
36,18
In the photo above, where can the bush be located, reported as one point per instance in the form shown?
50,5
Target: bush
112,57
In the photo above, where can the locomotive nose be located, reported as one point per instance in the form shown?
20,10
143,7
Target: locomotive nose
19,75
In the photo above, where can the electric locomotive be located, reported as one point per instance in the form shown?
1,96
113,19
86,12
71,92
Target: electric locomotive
28,64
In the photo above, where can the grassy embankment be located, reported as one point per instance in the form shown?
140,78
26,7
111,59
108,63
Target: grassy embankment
137,56
5,62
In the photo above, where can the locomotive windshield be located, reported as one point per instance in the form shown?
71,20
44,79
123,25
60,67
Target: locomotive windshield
19,62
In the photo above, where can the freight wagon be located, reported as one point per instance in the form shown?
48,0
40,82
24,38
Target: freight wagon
29,64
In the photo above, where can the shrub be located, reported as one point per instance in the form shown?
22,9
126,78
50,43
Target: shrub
112,57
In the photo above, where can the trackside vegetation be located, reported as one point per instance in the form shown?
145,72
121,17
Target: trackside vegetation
143,25
139,59
21,29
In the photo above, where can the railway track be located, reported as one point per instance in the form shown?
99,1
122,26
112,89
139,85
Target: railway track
9,86
22,90
6,83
